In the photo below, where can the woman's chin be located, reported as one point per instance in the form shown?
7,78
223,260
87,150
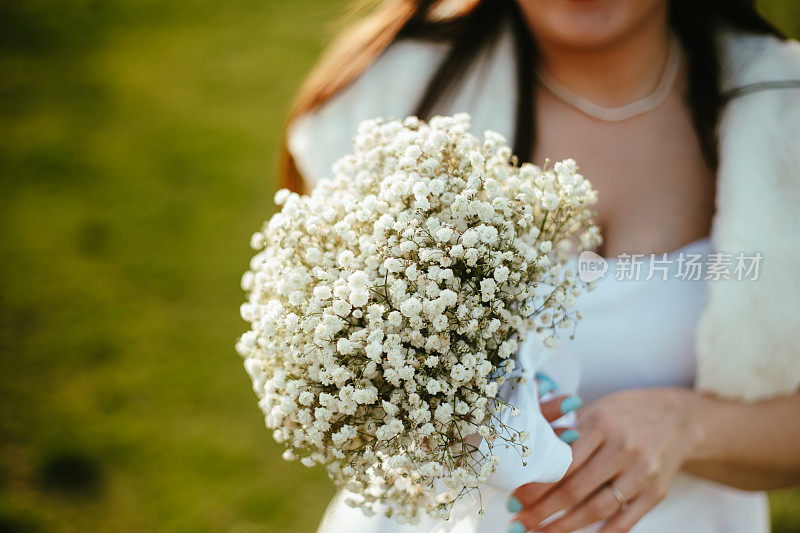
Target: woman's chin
578,37
581,30
588,24
583,40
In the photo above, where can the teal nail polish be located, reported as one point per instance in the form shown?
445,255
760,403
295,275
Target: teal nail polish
545,384
516,527
569,436
570,403
513,505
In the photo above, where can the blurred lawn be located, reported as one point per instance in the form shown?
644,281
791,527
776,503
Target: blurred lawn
138,142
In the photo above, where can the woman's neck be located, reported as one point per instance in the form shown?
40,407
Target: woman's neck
615,74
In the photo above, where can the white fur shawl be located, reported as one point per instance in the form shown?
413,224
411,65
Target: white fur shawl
748,339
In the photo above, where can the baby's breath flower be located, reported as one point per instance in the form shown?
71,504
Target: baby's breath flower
385,308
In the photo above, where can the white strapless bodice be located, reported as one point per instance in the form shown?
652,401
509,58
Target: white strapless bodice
639,332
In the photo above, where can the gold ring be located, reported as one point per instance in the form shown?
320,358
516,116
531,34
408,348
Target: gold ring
619,497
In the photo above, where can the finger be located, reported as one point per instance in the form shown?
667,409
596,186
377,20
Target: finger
625,519
567,434
557,407
545,384
582,449
598,506
572,490
634,480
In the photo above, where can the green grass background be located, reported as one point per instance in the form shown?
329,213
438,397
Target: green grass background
137,155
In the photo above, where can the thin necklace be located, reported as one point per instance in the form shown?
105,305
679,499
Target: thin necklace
632,109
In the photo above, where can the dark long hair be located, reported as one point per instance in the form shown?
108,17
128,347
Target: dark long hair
477,25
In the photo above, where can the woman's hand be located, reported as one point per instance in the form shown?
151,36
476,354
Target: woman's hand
556,406
631,445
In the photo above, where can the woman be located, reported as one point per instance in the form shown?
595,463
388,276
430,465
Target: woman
690,389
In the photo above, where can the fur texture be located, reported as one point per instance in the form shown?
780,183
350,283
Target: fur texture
747,339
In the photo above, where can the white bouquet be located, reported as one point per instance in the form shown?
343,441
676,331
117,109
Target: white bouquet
387,306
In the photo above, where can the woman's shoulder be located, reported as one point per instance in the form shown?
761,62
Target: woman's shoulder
758,191
389,88
750,58
761,77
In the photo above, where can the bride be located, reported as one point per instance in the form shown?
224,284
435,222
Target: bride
685,115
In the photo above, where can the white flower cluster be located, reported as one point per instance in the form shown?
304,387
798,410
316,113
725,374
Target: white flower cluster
387,306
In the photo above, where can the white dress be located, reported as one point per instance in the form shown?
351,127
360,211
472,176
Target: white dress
635,333
639,334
